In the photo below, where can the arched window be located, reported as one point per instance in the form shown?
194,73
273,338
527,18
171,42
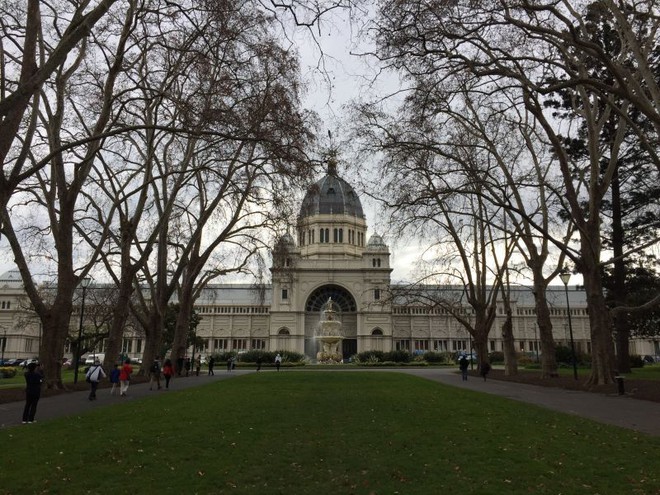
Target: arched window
284,331
339,295
377,332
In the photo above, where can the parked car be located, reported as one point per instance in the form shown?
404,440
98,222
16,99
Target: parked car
651,359
91,357
14,362
25,362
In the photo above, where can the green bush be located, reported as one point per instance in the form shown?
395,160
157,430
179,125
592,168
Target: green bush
496,357
398,356
434,357
7,372
369,357
636,361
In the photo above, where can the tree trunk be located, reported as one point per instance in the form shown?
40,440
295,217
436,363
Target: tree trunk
600,322
153,340
181,330
52,344
116,334
548,355
509,346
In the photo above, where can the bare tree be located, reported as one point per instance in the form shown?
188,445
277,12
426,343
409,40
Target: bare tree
536,48
46,201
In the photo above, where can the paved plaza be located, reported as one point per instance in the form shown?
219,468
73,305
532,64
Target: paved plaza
622,411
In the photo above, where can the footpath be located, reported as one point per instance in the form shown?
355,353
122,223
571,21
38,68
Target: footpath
618,410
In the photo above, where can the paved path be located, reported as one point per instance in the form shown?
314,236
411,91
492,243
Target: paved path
638,415
618,410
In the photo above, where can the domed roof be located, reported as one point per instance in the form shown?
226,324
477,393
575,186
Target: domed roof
376,243
331,195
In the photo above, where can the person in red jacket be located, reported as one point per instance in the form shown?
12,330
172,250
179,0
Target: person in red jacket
168,371
125,377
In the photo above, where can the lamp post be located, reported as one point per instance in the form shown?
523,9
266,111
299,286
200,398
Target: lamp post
85,283
565,277
4,345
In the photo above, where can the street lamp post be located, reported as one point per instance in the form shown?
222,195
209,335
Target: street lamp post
565,278
85,283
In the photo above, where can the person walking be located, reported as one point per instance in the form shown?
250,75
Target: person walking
154,373
211,364
485,369
229,364
168,371
114,379
278,361
33,381
94,375
259,360
463,364
198,364
125,377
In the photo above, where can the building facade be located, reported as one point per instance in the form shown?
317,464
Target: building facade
332,257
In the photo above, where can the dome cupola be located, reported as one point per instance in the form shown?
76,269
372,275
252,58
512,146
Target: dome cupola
331,195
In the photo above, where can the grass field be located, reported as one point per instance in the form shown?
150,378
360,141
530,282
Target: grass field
312,432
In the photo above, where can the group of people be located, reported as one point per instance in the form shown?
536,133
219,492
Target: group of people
120,378
464,363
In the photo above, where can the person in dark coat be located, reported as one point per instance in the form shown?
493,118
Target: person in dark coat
33,381
211,364
485,369
463,364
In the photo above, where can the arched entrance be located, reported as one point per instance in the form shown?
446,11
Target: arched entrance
313,306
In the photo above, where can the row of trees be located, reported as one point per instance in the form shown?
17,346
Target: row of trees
152,141
524,128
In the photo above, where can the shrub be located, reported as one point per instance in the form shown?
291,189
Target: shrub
369,357
496,357
434,357
7,372
398,356
636,361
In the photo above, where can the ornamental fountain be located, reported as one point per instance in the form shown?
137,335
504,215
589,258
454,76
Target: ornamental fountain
329,333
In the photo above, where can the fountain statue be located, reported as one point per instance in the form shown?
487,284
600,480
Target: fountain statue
330,335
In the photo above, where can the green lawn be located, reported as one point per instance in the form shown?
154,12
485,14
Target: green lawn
309,432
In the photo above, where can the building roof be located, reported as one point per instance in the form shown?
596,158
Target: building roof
331,195
11,278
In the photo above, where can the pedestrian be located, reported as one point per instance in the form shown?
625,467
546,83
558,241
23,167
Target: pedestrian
229,364
278,361
259,363
125,377
33,381
94,375
211,364
167,372
188,364
485,369
198,364
154,373
179,366
114,379
463,364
